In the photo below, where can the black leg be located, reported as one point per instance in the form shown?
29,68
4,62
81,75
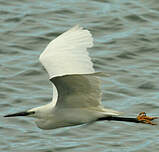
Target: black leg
115,118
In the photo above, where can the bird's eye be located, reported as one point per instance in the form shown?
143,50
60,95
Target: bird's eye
32,112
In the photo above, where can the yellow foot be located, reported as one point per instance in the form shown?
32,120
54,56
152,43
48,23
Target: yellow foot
145,119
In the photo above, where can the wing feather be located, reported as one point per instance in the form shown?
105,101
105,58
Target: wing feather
67,54
70,69
78,91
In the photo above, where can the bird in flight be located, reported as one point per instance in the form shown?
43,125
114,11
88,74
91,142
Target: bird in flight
76,86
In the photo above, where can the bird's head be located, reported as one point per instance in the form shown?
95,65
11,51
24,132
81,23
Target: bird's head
30,113
38,112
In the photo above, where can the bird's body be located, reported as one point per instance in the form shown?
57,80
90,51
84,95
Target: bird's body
56,118
76,86
78,103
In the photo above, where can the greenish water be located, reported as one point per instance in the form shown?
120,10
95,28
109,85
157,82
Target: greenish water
126,34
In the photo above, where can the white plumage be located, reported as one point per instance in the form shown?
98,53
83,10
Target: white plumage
66,58
76,88
67,54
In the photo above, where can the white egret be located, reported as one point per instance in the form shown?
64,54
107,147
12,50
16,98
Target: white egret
76,86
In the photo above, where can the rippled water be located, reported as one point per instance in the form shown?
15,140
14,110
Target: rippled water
126,34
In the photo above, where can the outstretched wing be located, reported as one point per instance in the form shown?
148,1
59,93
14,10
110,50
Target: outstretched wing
76,91
67,54
70,69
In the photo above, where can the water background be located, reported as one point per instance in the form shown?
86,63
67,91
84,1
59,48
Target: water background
126,36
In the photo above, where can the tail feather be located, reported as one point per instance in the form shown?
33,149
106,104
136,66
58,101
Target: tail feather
111,112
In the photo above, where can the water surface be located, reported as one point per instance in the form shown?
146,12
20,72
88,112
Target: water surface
126,34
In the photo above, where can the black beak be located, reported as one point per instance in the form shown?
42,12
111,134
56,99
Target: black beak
24,113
